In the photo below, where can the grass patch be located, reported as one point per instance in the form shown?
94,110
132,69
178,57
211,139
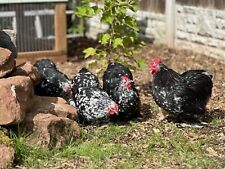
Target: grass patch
123,147
176,149
216,121
29,155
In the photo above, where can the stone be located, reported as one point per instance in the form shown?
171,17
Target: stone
27,69
7,62
15,98
50,131
6,156
53,105
51,121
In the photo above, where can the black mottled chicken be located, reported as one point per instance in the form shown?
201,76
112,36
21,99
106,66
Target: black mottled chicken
93,104
183,95
53,82
118,83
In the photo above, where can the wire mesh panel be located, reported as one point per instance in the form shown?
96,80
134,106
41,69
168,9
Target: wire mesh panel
32,22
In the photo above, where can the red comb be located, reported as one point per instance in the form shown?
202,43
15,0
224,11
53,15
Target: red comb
156,60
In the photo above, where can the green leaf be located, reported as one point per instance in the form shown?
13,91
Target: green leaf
133,7
141,63
131,22
96,9
102,53
107,17
89,52
128,52
84,11
105,38
128,41
118,42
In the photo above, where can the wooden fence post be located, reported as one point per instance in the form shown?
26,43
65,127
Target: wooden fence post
170,22
60,28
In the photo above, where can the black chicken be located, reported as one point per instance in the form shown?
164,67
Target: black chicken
5,42
118,83
93,104
53,82
184,95
44,63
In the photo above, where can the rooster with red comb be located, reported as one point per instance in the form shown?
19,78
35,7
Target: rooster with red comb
119,84
183,95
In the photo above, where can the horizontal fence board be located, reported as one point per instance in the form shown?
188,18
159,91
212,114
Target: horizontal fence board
29,1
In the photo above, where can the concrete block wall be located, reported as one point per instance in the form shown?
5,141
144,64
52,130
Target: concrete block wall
201,26
197,28
152,25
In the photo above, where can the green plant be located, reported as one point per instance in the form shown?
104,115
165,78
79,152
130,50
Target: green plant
120,41
216,121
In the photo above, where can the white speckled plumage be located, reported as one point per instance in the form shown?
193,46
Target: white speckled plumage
85,78
92,102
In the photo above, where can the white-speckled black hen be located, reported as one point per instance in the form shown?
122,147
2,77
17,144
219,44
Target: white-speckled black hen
85,78
118,83
185,95
94,105
53,82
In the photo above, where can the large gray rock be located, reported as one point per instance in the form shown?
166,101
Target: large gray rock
15,98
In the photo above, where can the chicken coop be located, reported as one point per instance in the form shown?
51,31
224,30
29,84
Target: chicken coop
40,27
